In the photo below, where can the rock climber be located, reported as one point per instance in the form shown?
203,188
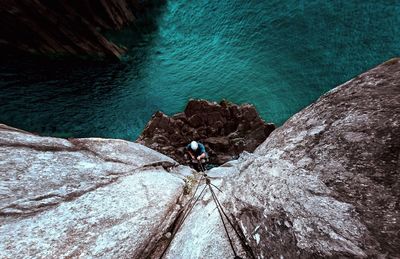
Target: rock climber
197,153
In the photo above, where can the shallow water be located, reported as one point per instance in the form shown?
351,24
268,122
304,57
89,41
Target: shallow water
278,55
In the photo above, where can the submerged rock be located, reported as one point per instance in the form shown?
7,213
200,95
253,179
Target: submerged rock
226,130
65,28
84,197
325,184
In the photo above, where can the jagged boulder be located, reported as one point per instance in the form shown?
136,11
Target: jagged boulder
85,197
325,184
226,130
65,28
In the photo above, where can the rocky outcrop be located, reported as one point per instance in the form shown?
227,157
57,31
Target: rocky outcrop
85,197
226,130
65,28
325,184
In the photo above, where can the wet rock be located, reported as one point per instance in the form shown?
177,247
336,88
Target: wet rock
226,130
65,28
85,197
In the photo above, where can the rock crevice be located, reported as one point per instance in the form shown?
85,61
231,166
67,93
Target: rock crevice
225,129
66,28
325,184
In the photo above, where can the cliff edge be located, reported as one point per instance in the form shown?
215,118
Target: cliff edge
226,130
65,28
325,184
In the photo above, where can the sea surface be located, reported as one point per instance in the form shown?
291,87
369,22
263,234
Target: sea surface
279,55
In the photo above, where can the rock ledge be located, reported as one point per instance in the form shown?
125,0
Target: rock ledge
226,130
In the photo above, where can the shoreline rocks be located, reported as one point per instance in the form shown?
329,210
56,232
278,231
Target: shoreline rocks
326,184
225,129
65,28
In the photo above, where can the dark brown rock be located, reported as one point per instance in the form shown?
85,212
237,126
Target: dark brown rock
324,185
218,143
195,121
65,28
225,129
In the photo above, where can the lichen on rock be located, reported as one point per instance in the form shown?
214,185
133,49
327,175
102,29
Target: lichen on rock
84,197
325,184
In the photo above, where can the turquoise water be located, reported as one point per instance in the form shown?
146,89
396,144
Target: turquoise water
278,55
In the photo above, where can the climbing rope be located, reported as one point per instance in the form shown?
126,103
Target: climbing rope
202,167
185,213
220,209
216,187
226,216
222,218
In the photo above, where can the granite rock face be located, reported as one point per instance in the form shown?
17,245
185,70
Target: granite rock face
202,234
225,129
85,197
65,28
326,183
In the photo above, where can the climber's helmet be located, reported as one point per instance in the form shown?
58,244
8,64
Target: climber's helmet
194,145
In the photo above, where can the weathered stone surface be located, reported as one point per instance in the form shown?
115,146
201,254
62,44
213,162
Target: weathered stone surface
225,129
202,235
327,183
67,28
84,197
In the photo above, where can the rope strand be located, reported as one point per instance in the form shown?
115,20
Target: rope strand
185,215
230,222
223,222
217,187
221,212
241,236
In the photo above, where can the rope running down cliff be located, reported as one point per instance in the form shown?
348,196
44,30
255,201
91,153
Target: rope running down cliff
221,213
185,214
